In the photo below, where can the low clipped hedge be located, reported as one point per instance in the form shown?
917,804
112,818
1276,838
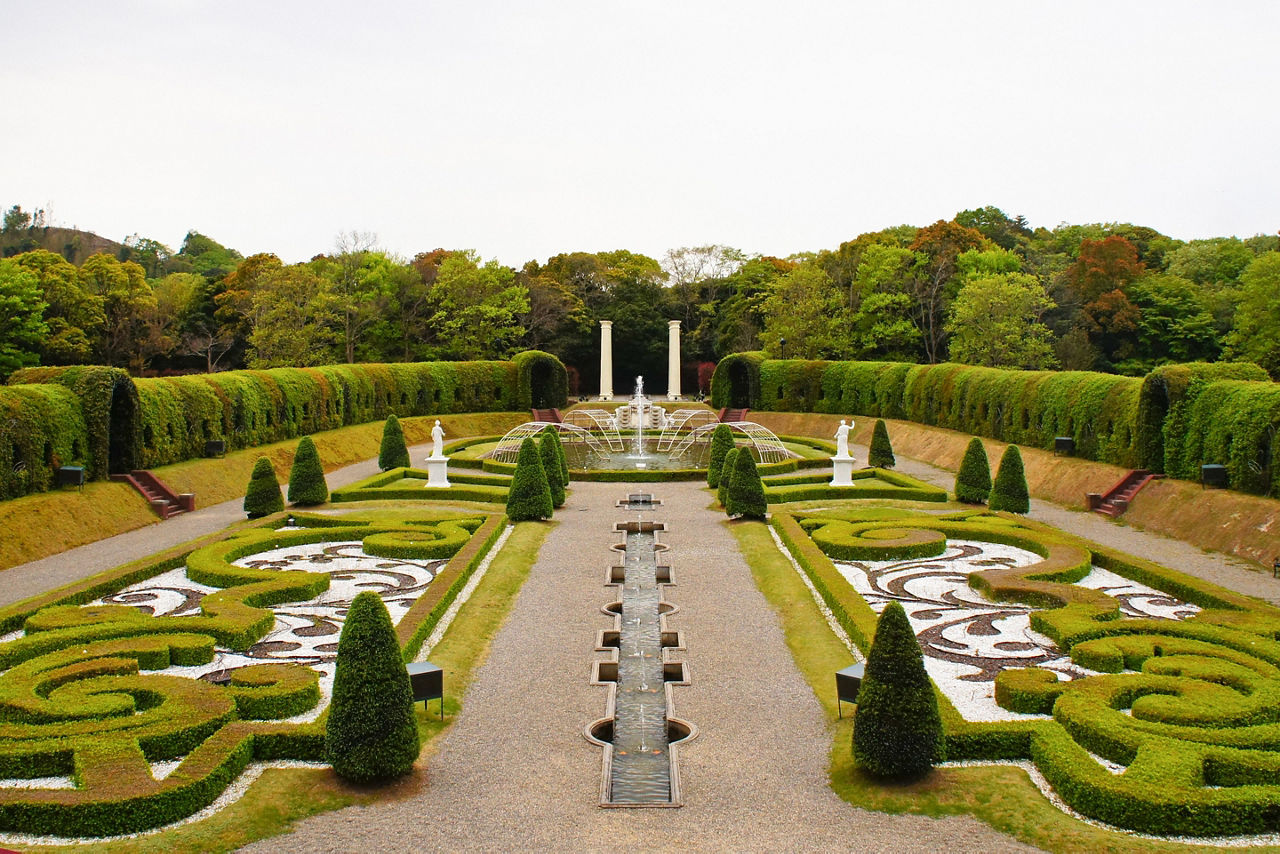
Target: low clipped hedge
868,483
1203,740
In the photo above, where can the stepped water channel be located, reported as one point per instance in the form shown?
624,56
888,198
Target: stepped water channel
640,734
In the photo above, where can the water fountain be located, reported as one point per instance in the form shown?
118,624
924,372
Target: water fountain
639,404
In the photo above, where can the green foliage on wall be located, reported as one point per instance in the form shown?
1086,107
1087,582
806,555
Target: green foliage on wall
41,427
543,381
109,403
1166,393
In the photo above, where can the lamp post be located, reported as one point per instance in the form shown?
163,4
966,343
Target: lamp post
782,346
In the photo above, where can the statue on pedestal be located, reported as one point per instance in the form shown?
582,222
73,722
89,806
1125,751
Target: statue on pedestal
842,439
437,439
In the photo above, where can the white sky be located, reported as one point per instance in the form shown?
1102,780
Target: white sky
526,129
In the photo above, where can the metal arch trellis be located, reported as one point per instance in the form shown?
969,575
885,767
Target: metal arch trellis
599,419
681,420
508,448
767,445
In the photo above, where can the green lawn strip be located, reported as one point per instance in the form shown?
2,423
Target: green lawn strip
283,796
1003,797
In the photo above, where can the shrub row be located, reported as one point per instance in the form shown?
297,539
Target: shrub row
41,427
489,489
868,483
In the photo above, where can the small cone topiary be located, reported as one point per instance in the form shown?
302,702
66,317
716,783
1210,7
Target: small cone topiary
394,453
897,731
561,460
726,476
746,492
551,465
721,443
306,476
529,496
973,481
881,454
371,733
1009,492
263,496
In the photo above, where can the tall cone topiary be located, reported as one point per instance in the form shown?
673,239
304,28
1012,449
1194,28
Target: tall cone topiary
551,465
897,731
746,492
881,454
371,733
263,496
1009,492
306,476
726,476
973,481
529,496
394,453
721,443
561,461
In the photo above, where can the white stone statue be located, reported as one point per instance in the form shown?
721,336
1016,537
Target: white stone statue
437,439
842,439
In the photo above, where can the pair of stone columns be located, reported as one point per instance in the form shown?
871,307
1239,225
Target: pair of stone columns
606,360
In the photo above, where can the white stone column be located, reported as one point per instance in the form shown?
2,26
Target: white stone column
673,360
606,360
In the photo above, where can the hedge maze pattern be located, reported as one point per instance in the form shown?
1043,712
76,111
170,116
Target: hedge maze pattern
1190,708
80,695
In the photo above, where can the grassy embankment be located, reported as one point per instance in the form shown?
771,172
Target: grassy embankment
1247,526
40,525
1001,796
285,795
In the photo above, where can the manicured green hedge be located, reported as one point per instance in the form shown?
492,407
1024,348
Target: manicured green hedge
41,428
1232,423
868,483
1166,393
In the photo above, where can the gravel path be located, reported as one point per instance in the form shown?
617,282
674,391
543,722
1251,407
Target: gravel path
515,773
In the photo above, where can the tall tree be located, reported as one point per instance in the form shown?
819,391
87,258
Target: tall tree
75,317
995,321
805,310
478,307
1098,283
22,327
127,302
937,247
294,319
1256,337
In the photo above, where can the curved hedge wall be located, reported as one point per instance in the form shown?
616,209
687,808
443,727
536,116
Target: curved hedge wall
1173,420
122,423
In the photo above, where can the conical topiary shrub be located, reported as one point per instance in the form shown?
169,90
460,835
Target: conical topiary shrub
306,476
561,460
394,453
721,442
263,496
973,481
726,476
881,454
897,731
1010,489
551,466
746,492
371,733
529,496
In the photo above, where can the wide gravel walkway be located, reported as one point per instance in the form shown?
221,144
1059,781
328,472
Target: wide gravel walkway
515,773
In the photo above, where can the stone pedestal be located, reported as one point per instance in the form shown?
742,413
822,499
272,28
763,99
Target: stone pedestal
843,475
606,360
437,472
673,360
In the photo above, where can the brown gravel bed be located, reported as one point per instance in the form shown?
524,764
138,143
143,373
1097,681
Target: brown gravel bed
515,773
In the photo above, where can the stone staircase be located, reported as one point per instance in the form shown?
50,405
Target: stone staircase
551,416
730,415
1116,500
163,500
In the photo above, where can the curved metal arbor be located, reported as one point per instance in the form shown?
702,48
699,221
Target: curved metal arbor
508,448
597,419
681,420
768,447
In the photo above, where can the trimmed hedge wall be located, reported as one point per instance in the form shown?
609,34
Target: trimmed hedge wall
121,423
1174,420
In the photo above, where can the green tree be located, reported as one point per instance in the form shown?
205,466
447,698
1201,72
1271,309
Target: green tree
973,481
1256,336
306,476
1175,322
995,322
362,281
897,731
263,496
880,324
529,496
293,320
721,442
1009,492
478,308
937,248
393,453
551,465
22,328
727,472
74,316
746,492
128,304
371,733
880,454
806,310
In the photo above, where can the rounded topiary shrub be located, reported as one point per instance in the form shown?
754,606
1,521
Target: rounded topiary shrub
306,476
897,731
551,466
393,454
746,492
721,443
371,733
529,496
973,481
1009,492
263,496
881,454
726,475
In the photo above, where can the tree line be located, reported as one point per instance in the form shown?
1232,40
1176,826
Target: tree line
981,288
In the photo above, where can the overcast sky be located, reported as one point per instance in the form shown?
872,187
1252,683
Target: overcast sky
526,129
